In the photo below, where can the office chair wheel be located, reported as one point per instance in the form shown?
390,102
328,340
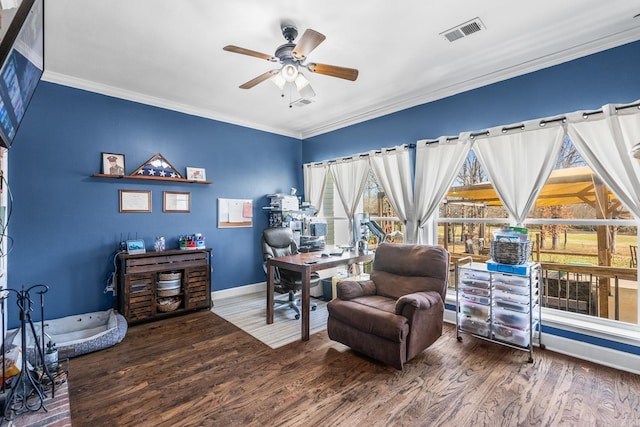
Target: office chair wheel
297,316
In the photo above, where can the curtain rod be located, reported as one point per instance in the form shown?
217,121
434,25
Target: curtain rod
624,107
505,129
590,113
362,155
543,123
455,138
393,148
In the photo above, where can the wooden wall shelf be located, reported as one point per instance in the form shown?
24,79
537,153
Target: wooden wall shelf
151,178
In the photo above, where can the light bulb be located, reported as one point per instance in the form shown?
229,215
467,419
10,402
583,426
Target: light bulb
635,151
289,72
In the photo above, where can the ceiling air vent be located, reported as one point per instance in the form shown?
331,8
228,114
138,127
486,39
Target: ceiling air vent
463,30
301,102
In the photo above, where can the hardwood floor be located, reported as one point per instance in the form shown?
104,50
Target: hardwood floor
200,370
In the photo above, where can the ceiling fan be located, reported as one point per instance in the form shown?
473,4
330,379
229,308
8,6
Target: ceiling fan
292,56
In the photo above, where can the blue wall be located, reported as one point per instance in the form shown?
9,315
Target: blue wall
583,84
65,224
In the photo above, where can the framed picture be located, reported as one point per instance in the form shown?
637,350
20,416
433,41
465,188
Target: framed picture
135,201
196,174
176,202
113,164
135,247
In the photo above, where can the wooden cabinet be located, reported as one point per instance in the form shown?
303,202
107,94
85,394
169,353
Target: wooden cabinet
139,298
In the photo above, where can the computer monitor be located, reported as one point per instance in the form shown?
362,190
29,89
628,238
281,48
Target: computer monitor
318,229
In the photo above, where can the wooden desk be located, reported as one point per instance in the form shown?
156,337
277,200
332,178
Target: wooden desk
301,264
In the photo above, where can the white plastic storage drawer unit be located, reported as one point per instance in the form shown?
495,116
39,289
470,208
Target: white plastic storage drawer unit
497,306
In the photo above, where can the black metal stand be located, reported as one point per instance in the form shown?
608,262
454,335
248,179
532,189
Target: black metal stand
26,393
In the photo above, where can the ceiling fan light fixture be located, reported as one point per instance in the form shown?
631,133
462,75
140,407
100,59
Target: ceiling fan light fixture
292,57
279,81
307,92
304,87
635,151
289,72
301,82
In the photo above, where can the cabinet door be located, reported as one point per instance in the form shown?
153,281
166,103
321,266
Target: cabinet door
139,301
197,287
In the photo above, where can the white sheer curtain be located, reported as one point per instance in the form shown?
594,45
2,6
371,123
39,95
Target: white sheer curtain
392,168
350,176
605,141
437,165
518,161
315,180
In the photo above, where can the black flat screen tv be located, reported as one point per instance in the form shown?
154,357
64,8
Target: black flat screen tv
22,59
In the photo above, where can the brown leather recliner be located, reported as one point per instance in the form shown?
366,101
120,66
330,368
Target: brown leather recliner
399,312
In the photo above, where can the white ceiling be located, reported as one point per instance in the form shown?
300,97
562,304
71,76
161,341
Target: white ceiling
169,53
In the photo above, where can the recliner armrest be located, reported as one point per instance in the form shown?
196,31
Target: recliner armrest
419,300
351,289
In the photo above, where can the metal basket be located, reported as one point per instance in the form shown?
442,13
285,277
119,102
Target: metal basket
510,252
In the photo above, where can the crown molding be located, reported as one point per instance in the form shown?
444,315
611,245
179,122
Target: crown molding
77,83
399,103
418,98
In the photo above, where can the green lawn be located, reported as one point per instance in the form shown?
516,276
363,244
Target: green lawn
581,247
587,243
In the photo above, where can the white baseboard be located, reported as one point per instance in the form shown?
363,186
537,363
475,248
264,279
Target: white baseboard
593,353
580,350
238,291
252,289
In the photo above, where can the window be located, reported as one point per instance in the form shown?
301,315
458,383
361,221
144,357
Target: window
582,235
373,202
376,203
334,214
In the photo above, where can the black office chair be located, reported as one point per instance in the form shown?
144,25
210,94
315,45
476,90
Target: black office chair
277,242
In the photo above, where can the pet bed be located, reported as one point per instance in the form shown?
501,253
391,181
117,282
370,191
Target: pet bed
84,333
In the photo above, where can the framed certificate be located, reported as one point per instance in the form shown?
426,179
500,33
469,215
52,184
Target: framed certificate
135,201
176,201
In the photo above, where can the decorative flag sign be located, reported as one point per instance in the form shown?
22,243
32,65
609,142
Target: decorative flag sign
157,166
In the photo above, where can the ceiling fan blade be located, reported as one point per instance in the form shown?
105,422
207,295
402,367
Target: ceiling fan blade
262,77
249,52
309,41
334,71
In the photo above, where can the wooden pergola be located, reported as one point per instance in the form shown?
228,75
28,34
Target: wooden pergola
567,186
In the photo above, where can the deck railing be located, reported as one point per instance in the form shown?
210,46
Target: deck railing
579,288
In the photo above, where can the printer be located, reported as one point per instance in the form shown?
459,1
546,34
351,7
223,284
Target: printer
283,202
